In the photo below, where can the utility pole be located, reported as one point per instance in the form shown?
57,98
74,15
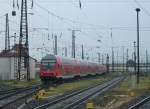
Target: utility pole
15,38
82,53
146,62
112,59
127,60
73,42
135,57
123,59
65,51
107,63
55,49
23,60
7,37
117,62
103,59
99,55
138,49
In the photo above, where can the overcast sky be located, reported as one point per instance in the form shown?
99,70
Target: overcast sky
94,19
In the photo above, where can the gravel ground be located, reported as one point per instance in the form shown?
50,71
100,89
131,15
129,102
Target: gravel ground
115,100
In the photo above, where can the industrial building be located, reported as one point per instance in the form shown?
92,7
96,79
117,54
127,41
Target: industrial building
9,65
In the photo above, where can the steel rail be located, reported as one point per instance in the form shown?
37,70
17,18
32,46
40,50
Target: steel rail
74,94
24,93
17,92
140,103
63,98
9,90
79,101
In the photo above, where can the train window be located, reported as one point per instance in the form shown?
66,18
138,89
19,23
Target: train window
48,64
45,65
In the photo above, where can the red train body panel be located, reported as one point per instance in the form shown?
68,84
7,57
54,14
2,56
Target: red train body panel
55,67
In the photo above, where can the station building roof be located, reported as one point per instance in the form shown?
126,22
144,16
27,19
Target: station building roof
13,52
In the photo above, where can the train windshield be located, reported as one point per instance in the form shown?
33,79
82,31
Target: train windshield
48,64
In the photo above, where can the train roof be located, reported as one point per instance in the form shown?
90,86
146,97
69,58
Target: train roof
84,61
51,56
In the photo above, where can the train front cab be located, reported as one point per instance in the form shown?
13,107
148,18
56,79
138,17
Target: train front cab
50,68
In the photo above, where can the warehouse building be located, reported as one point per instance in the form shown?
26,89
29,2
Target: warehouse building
9,65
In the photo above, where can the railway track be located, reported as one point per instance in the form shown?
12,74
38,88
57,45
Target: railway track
9,91
11,96
142,104
4,88
74,99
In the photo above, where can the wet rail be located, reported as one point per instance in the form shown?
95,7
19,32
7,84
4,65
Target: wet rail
15,95
141,103
74,99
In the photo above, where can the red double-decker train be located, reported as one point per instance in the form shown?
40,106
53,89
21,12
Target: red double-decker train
55,67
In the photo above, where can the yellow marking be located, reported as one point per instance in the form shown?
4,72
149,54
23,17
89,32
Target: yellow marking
132,94
40,94
90,105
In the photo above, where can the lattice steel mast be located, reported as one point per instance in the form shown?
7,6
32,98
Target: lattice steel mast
7,38
23,60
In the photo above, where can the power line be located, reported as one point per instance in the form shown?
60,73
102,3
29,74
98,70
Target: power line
11,28
92,1
53,14
115,28
64,19
14,22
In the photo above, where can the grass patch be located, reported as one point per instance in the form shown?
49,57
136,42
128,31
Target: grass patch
15,83
144,85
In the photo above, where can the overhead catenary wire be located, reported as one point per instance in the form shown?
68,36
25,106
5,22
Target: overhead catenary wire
64,19
68,21
93,1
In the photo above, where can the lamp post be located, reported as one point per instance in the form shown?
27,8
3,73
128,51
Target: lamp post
134,57
138,52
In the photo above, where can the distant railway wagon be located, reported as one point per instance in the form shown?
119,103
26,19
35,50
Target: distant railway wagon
55,67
